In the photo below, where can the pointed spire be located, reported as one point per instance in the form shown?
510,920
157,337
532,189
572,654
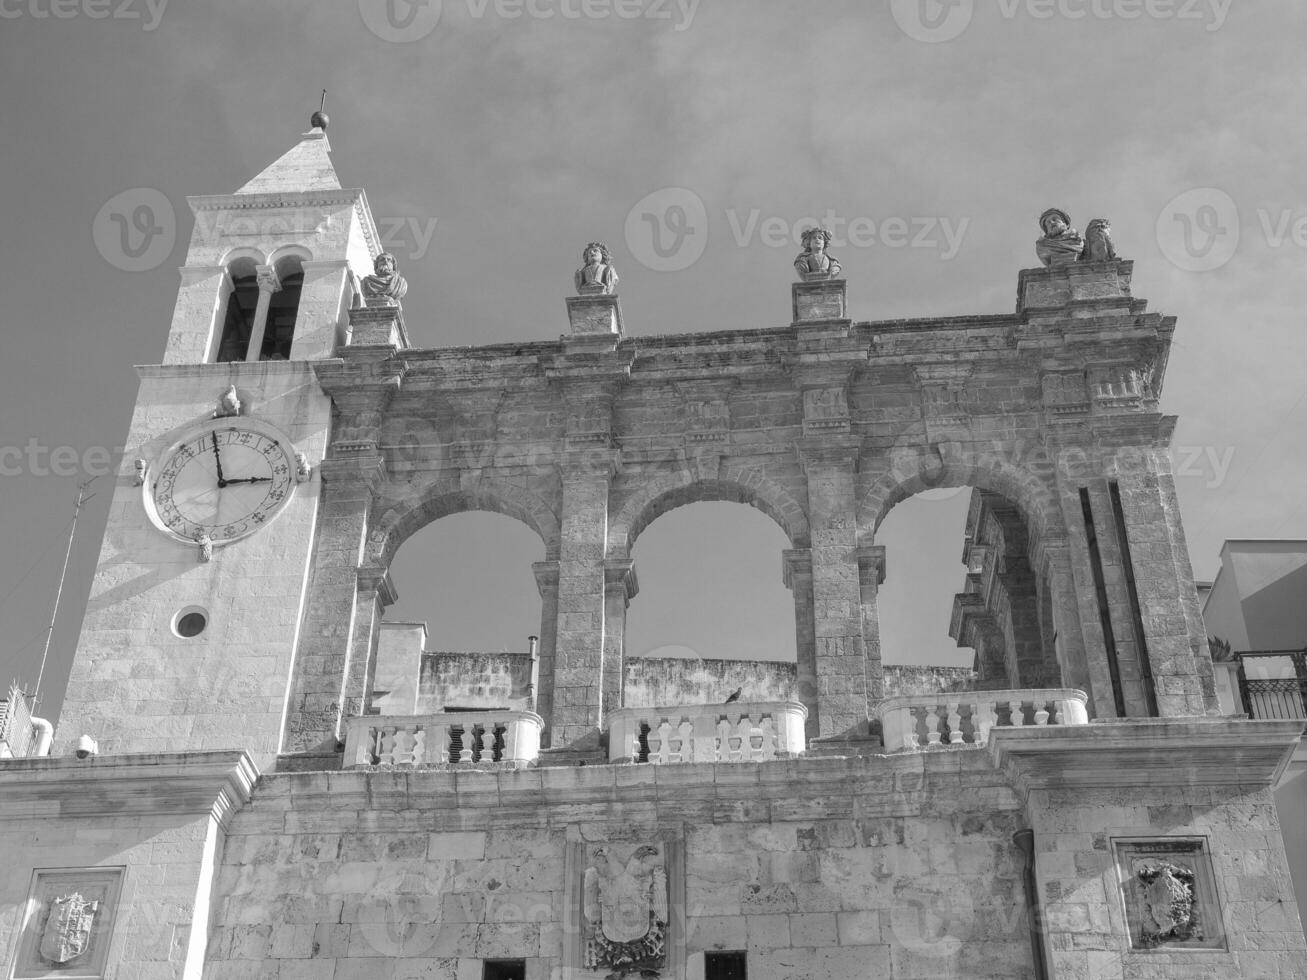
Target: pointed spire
306,166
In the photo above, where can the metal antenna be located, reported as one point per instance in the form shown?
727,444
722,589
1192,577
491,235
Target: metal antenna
82,498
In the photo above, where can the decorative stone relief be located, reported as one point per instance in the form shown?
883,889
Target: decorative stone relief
825,409
303,468
625,910
1121,385
1168,890
707,412
69,918
1065,394
229,405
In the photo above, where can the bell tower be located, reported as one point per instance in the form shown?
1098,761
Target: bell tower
197,600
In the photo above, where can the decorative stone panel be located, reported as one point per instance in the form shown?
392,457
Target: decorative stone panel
68,923
1168,891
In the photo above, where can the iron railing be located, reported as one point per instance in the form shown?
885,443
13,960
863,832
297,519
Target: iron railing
1273,683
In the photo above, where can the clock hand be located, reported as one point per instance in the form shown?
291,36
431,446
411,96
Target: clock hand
218,458
249,479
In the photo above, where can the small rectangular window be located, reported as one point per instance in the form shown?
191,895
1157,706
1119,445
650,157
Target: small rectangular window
725,966
504,970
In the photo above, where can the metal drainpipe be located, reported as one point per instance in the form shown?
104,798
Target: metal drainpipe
1025,840
535,670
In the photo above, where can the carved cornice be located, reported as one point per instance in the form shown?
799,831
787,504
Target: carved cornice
130,784
816,453
796,563
871,562
376,578
546,573
1144,753
619,576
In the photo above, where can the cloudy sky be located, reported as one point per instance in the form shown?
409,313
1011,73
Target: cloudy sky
495,137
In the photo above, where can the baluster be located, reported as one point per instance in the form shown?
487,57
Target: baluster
386,746
954,723
664,742
1041,712
420,747
932,726
374,746
1018,713
740,749
488,744
465,737
722,746
767,729
984,718
440,739
403,754
685,730
911,738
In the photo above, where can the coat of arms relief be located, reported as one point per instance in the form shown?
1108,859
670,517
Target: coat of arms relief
625,910
69,920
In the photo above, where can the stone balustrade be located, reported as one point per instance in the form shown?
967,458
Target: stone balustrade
965,718
448,738
739,732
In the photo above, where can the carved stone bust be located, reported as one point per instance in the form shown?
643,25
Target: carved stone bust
385,287
1061,244
596,275
1098,241
814,262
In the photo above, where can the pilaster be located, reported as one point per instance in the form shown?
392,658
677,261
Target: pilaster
620,587
546,573
796,573
841,661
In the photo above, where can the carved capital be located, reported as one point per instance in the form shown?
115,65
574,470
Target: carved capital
376,578
619,577
871,564
796,566
268,280
362,471
829,453
546,573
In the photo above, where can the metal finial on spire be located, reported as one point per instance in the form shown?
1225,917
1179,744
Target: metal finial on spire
320,119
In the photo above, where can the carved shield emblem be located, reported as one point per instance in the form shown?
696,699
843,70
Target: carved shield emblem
67,933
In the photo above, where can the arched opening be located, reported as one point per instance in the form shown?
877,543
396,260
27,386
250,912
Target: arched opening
283,309
963,605
240,307
456,638
712,615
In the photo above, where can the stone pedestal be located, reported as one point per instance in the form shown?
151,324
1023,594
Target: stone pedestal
596,315
819,300
377,326
1092,283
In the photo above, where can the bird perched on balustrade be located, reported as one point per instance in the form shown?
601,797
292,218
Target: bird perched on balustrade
734,695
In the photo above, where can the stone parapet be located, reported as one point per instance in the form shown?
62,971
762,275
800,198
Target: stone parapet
967,718
736,732
462,738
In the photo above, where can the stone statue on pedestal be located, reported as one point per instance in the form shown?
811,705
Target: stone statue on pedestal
814,262
597,275
385,287
1061,244
1098,242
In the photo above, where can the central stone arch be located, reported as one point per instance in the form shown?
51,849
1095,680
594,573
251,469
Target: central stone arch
742,485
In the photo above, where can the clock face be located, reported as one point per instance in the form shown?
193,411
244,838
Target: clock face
226,479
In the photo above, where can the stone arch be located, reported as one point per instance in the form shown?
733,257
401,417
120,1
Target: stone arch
933,468
401,520
741,485
242,252
284,252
